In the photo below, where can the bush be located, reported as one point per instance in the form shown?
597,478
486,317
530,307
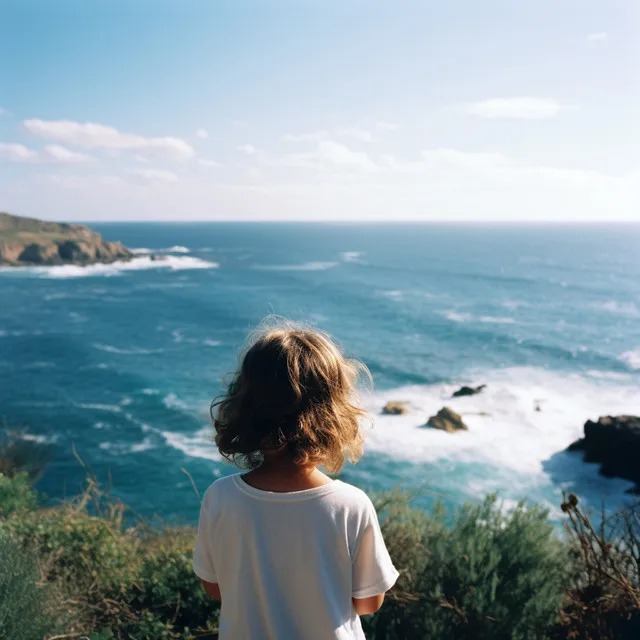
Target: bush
489,576
22,601
604,598
16,494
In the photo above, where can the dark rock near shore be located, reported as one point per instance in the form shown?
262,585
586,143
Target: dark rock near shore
614,443
468,391
28,242
395,408
447,420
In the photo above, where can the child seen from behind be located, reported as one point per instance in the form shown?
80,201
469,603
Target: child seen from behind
291,553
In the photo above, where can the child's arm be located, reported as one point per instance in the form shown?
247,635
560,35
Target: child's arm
365,606
213,590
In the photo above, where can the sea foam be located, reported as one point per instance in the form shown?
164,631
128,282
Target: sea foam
170,262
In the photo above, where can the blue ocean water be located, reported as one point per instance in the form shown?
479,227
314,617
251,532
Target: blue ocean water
122,361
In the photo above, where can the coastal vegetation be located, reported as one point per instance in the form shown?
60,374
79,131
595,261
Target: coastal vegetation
88,568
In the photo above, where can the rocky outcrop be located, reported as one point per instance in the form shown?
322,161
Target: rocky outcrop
447,420
468,391
395,408
614,442
28,242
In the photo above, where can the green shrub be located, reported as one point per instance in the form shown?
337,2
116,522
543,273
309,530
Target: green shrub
16,494
489,577
170,589
80,547
22,601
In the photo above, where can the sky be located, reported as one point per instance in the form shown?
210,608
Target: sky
337,110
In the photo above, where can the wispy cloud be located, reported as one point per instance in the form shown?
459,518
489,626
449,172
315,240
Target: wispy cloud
51,154
598,36
517,108
154,175
314,136
247,149
202,134
97,136
4,112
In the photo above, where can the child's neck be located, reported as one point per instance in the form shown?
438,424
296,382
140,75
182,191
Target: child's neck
278,473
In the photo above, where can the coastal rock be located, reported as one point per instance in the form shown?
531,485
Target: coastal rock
447,420
10,251
395,408
27,241
43,254
614,442
468,391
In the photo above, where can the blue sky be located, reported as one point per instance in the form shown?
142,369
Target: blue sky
333,110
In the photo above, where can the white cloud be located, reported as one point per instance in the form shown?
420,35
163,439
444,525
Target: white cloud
202,134
203,162
523,108
356,133
141,159
97,136
247,149
598,36
51,154
4,112
63,155
340,154
387,126
17,152
154,175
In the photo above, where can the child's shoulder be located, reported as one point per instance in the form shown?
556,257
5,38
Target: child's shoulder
352,496
220,487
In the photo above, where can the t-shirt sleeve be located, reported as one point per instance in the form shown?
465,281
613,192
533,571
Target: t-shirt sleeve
202,558
373,572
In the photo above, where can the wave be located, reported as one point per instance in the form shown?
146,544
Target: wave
307,266
353,256
631,358
175,249
506,433
171,401
172,263
621,308
135,351
122,448
110,408
197,445
455,316
211,343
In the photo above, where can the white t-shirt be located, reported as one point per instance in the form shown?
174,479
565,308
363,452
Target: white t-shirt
288,564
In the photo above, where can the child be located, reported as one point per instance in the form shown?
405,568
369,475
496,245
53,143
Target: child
291,553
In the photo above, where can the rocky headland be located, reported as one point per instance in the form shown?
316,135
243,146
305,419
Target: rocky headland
32,242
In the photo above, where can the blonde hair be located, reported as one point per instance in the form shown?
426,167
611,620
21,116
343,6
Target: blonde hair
294,390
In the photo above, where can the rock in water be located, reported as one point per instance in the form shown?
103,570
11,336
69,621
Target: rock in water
614,442
447,420
468,391
395,408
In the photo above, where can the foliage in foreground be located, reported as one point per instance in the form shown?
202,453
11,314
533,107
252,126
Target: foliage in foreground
22,601
489,576
78,571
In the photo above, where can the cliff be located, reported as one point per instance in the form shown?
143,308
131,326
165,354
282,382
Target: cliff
28,242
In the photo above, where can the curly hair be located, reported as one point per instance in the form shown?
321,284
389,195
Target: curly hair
295,391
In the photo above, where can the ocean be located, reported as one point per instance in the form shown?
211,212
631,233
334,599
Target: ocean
122,361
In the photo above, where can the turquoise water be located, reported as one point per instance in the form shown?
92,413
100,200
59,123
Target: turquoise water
122,361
